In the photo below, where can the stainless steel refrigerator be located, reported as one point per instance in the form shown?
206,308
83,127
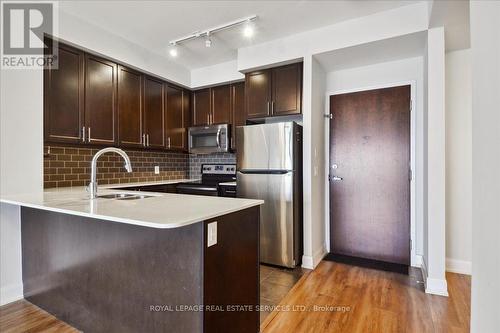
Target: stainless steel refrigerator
269,167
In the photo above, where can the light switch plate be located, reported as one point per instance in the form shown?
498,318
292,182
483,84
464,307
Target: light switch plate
157,169
212,234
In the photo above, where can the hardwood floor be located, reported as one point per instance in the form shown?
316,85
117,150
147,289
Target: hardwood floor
22,316
275,283
368,301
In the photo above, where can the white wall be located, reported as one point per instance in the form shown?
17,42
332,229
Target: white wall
458,162
21,165
436,164
485,45
82,33
400,72
391,23
216,74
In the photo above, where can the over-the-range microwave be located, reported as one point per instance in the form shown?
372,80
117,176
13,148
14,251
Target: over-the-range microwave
209,139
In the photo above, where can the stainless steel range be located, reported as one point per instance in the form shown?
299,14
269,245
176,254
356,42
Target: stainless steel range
216,180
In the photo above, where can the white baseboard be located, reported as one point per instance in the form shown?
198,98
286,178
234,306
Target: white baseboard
436,286
311,262
11,293
433,286
416,261
458,266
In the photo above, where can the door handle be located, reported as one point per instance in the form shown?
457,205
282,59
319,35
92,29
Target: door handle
218,138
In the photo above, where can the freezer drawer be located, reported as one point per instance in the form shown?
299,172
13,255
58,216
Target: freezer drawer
266,146
277,225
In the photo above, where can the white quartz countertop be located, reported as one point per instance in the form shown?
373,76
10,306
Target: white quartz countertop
161,210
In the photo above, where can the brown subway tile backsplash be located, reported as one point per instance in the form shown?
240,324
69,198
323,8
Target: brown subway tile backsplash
69,166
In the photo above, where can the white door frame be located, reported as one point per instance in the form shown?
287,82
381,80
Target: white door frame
414,260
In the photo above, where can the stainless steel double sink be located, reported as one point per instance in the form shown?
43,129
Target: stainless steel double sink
124,196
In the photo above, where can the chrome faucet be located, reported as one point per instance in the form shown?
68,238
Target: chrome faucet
92,188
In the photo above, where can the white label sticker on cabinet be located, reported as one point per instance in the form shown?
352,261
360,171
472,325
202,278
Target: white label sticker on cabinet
212,234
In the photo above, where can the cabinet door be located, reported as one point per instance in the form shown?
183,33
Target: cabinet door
221,104
100,100
258,94
154,121
175,118
63,97
237,109
130,121
201,107
287,90
187,98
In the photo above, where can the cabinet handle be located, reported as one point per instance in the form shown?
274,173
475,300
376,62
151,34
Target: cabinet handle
83,133
147,140
144,140
268,107
168,142
272,107
88,136
208,118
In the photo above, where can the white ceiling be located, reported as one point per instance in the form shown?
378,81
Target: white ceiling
152,24
402,47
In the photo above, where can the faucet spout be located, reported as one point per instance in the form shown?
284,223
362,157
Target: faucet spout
92,188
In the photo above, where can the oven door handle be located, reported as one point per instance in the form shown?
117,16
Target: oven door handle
218,138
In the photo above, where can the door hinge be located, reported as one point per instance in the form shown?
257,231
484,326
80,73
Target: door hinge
328,116
410,174
411,105
411,244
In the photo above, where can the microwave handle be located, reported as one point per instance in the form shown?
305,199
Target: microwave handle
218,138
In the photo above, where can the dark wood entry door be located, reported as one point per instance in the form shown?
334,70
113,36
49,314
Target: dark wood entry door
369,174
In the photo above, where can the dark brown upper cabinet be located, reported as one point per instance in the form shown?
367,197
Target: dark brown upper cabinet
221,105
93,100
287,90
274,92
258,94
130,114
237,109
63,97
201,107
177,111
100,100
154,115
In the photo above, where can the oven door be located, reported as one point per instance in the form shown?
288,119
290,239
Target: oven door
208,139
197,189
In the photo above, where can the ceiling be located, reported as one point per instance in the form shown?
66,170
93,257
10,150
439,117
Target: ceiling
152,24
391,49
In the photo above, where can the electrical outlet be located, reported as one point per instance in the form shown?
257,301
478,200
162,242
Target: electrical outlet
212,234
157,169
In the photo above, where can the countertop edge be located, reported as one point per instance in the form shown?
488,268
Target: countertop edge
131,221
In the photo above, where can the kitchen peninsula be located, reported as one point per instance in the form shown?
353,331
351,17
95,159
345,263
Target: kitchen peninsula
131,262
